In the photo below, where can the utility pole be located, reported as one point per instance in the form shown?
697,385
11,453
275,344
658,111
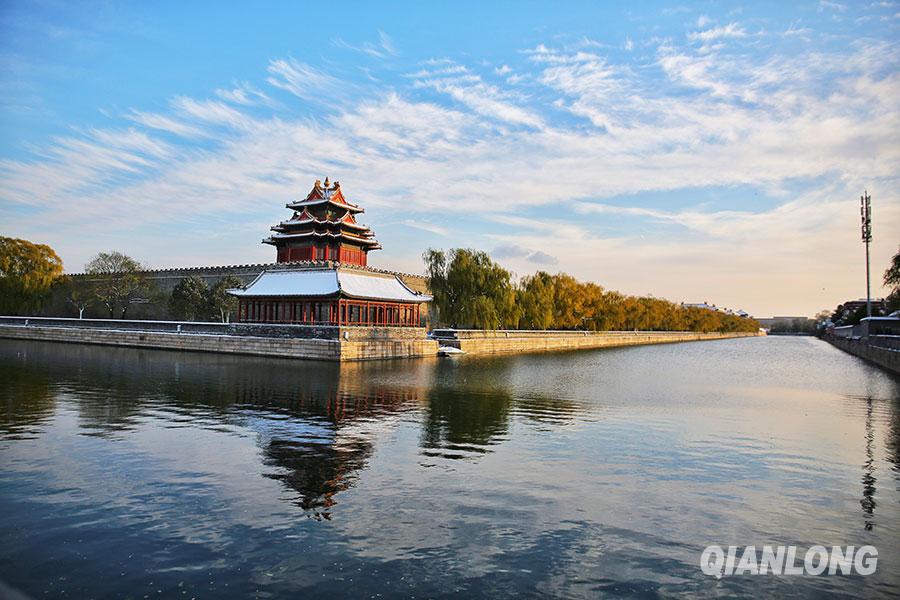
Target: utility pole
865,211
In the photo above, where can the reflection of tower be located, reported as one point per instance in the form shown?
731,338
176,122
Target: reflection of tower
868,478
328,439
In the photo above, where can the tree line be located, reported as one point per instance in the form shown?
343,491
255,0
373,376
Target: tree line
113,283
471,290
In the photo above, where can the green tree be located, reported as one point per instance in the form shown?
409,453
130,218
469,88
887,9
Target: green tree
118,281
27,271
75,292
469,289
189,299
536,299
220,302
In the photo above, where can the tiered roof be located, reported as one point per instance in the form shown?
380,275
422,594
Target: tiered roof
324,214
325,194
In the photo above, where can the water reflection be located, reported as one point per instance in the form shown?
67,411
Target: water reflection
868,480
565,474
312,421
26,399
460,423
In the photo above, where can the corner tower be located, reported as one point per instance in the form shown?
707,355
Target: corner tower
323,227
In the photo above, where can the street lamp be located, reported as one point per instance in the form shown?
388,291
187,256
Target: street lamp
865,211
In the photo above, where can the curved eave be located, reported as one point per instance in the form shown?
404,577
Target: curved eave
290,236
304,203
290,223
415,301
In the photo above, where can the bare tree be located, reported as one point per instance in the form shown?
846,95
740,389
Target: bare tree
118,281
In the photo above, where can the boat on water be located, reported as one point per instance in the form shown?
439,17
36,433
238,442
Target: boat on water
449,351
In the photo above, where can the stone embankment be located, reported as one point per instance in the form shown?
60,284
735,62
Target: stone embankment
283,341
331,343
883,352
515,341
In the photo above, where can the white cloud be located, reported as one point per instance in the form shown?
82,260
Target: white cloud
211,111
425,226
244,94
383,48
832,6
163,123
300,79
732,30
483,98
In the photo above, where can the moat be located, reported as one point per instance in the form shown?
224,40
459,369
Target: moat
131,472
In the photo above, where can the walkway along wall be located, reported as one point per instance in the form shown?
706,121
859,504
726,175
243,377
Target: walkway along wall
332,343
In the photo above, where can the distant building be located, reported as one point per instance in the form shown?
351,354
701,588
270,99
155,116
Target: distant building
781,322
849,308
702,305
714,308
330,284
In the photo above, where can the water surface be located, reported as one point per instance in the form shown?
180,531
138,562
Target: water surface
132,473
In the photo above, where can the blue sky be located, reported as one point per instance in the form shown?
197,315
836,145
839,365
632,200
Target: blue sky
700,152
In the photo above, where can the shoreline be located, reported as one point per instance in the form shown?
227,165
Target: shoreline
328,343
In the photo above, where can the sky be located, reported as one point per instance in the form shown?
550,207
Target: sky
698,152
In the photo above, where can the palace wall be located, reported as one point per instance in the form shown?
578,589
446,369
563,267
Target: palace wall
163,281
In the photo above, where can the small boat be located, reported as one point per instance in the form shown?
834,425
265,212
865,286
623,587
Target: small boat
449,351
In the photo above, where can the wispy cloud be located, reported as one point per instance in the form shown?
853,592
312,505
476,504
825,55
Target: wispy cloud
244,94
163,123
383,48
732,30
832,6
425,226
300,79
485,99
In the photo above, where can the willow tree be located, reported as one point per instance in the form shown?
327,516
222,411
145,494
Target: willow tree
117,281
27,270
536,296
469,289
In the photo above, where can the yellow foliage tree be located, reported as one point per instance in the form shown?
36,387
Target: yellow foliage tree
27,270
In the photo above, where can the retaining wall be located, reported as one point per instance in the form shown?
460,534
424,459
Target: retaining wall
325,342
887,358
514,341
285,341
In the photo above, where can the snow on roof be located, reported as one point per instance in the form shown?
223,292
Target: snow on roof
292,283
386,288
329,283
